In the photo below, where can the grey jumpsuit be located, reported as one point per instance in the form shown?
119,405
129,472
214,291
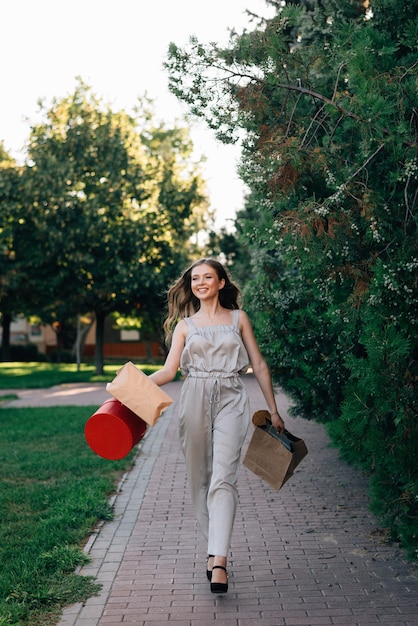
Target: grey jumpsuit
214,417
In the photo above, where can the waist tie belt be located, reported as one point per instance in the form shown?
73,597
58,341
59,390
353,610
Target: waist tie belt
215,394
212,374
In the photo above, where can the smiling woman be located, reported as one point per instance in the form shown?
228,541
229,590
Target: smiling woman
213,344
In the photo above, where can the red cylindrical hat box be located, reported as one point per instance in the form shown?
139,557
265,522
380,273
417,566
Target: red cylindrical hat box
113,430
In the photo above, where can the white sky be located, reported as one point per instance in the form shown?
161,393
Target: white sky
117,47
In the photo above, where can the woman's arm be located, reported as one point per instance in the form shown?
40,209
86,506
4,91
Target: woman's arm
260,369
169,370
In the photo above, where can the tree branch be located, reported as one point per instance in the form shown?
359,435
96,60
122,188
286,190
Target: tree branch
366,162
319,96
297,88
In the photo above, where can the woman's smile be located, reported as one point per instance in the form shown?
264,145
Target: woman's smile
205,281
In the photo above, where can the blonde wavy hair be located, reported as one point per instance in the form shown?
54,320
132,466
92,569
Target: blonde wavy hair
182,303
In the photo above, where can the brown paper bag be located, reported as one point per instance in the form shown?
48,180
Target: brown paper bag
271,457
139,393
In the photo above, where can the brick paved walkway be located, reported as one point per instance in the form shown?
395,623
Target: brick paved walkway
310,554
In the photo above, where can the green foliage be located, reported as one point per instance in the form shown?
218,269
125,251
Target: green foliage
13,277
382,385
285,308
53,491
99,217
324,96
378,424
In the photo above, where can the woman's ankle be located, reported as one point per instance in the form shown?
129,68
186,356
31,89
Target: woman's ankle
219,562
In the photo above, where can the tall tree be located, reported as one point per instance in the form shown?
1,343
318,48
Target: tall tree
98,229
325,94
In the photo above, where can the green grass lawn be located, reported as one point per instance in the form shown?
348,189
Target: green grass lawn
40,375
53,492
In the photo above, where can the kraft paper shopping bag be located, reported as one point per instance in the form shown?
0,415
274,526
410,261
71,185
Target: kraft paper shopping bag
271,456
139,393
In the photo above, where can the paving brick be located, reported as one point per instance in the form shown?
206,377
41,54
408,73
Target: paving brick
307,554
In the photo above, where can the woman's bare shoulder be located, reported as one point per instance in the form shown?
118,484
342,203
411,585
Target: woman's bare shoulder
181,327
243,318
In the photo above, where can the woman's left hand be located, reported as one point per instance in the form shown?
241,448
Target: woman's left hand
277,422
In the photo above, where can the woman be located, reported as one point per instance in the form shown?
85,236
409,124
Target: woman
212,344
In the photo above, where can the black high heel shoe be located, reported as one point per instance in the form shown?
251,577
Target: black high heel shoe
209,571
219,587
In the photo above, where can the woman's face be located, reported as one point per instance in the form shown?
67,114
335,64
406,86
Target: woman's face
205,282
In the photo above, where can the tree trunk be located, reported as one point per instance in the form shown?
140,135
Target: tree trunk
5,351
100,320
78,347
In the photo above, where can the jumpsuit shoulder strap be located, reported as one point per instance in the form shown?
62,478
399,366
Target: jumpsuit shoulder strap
235,318
189,323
